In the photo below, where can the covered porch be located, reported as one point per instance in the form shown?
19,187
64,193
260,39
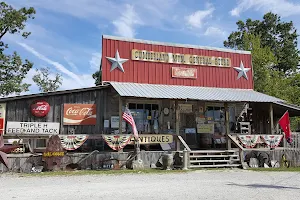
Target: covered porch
200,118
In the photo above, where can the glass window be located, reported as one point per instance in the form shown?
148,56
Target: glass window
132,106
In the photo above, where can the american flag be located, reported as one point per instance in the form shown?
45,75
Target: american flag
128,117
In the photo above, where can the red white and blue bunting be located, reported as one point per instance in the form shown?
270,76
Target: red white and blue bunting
248,141
117,142
272,140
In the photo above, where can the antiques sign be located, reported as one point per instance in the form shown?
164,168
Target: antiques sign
40,108
154,138
80,114
46,128
180,72
2,117
185,59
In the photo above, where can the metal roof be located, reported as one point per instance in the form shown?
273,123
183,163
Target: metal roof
191,92
174,44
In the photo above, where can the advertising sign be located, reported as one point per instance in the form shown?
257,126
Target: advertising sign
2,117
180,72
45,128
40,108
79,114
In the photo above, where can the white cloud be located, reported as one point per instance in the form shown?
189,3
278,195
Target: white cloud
197,19
71,64
214,31
95,61
125,25
282,7
84,80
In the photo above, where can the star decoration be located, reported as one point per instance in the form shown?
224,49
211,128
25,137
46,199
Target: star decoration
242,71
117,62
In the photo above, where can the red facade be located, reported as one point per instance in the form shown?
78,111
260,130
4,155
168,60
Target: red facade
137,71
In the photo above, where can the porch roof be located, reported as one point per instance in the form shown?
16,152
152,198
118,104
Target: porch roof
282,107
191,92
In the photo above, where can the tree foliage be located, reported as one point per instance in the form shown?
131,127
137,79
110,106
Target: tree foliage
280,37
97,76
44,81
12,69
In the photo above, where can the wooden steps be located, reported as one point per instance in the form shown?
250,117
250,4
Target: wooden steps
216,166
214,159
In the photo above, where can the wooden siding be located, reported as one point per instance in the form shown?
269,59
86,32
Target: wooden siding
19,109
160,73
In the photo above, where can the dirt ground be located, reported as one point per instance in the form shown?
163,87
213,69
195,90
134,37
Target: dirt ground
202,184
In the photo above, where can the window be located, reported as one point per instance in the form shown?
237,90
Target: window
145,117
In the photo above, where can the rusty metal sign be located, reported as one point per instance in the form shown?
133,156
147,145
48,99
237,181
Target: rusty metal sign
54,152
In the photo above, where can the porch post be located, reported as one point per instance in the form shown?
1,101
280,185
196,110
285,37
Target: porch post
177,119
271,118
228,145
120,117
120,114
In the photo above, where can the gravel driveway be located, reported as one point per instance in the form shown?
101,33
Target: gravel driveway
202,184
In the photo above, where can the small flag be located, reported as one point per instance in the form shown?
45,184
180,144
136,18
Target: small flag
128,117
284,122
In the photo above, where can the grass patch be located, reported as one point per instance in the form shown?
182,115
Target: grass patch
103,172
281,169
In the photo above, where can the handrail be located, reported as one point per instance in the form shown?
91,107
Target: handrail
184,143
235,142
83,159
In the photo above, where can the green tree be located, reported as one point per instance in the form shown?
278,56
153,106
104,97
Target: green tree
98,77
280,37
44,81
263,61
12,69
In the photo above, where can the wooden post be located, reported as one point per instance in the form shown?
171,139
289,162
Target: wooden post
271,119
177,121
228,144
120,115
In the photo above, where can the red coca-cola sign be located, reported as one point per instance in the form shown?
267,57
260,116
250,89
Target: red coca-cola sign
40,108
79,114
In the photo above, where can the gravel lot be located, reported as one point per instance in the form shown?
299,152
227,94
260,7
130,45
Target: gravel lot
202,184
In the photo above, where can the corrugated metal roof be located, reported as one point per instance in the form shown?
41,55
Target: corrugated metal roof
175,44
191,92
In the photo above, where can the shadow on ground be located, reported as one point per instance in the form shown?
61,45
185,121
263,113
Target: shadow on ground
263,186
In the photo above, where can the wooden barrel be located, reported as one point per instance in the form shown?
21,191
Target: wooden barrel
205,140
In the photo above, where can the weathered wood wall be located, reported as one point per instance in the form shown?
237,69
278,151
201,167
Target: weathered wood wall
106,101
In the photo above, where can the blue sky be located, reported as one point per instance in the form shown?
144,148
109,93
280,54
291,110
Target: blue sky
66,34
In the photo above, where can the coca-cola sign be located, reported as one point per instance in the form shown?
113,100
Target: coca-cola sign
79,114
40,108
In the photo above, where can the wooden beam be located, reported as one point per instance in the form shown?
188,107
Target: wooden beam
228,144
177,121
120,115
271,119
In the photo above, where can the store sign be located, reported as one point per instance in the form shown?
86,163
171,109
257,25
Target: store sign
40,108
205,128
185,108
79,114
180,72
186,59
45,128
154,139
2,117
53,154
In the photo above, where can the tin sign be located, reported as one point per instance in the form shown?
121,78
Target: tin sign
40,108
